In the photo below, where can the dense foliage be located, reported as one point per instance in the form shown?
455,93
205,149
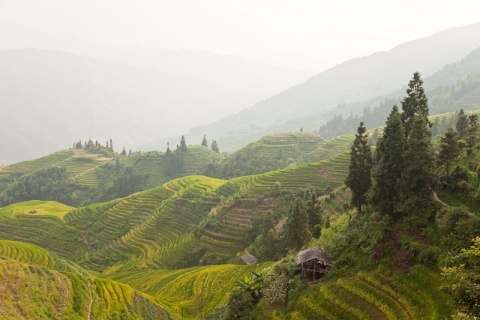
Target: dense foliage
48,184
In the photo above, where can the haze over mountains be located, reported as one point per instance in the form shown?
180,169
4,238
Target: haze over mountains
133,94
144,96
356,80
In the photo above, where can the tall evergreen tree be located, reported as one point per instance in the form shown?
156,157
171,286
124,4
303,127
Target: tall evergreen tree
418,179
215,146
449,149
461,124
358,179
471,130
204,141
390,162
168,152
314,209
297,225
183,144
415,103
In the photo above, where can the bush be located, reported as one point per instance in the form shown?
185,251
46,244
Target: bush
240,305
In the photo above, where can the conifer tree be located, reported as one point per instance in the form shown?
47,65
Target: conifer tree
168,153
461,124
124,152
204,141
415,103
215,146
390,162
314,210
111,144
471,130
358,179
449,149
418,178
297,225
183,144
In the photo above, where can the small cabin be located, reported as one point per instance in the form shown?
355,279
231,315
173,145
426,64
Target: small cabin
249,259
315,263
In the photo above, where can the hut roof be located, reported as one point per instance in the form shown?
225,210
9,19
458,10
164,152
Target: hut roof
313,253
249,259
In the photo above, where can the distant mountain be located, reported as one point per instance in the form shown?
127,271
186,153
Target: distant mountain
356,80
50,99
246,81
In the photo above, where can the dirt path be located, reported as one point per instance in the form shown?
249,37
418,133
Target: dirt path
91,300
435,196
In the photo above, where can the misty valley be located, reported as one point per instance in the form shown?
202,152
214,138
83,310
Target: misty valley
352,195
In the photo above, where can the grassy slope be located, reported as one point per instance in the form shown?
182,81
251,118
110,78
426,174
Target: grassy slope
36,208
379,294
190,292
28,272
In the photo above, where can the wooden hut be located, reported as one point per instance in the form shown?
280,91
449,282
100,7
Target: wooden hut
314,262
249,259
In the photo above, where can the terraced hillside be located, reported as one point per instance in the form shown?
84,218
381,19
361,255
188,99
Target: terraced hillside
380,294
41,223
80,165
272,152
28,272
327,149
193,292
156,167
176,225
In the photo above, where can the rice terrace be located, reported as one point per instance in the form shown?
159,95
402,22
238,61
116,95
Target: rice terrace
218,160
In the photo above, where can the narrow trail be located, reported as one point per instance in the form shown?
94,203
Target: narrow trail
435,196
91,301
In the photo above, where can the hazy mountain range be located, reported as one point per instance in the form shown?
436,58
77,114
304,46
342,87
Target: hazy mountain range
356,80
145,96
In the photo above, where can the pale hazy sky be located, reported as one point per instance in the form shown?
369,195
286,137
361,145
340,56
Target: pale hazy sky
306,34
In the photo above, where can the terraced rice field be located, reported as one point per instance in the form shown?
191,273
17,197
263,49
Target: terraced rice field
25,252
53,159
36,208
190,292
284,145
327,173
328,149
377,295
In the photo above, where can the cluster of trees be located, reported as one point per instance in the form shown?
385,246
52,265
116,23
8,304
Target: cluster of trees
443,99
399,181
400,178
90,145
274,235
47,184
214,144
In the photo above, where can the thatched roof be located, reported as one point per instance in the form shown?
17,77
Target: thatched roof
314,253
249,259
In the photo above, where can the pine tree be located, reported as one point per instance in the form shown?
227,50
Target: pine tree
415,103
183,144
418,179
390,163
215,146
168,153
111,144
314,209
204,141
124,152
471,130
449,149
358,179
462,122
297,226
